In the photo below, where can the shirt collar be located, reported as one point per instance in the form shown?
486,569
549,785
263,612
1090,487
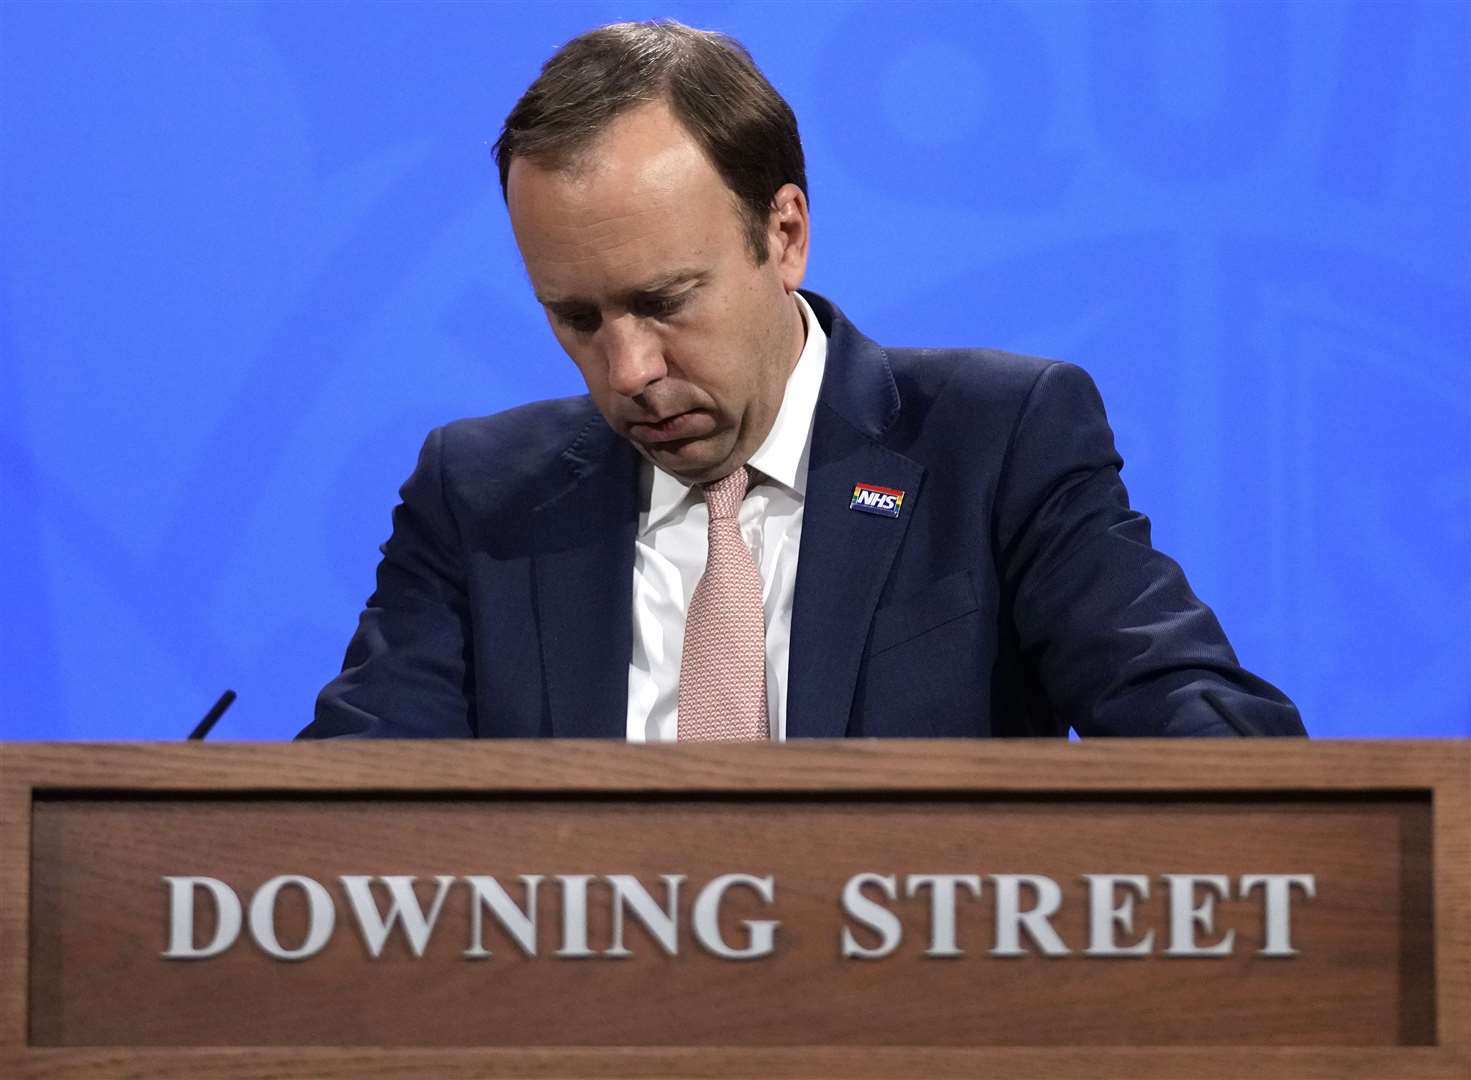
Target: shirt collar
782,457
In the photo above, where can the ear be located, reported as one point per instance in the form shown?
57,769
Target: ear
788,233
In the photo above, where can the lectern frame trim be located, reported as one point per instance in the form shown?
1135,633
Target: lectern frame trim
1437,770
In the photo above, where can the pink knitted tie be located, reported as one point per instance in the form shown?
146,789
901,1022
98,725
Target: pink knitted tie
722,676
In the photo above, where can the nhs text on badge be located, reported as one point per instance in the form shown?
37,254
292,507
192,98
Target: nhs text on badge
877,500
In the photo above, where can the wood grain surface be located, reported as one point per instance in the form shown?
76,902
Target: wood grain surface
87,832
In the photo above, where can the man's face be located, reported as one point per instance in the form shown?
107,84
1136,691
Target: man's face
638,254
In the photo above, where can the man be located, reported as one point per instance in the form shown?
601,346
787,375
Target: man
758,523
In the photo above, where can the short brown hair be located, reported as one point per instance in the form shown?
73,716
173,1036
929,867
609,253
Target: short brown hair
711,84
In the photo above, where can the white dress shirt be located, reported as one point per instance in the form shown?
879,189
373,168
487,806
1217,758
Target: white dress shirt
669,555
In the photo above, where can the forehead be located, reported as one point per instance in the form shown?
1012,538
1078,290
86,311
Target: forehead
639,201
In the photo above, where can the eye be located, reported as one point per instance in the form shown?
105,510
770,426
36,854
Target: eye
579,320
661,307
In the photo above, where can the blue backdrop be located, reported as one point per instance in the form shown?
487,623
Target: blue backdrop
253,252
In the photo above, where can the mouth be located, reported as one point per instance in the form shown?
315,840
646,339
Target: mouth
678,427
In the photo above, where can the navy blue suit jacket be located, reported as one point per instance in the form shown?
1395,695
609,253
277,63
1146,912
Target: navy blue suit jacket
1016,593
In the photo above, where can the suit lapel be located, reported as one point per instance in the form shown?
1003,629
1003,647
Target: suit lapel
584,539
845,555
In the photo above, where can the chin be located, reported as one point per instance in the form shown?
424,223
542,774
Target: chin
688,471
696,465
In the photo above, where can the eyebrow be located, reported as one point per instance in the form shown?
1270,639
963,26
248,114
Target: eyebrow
652,287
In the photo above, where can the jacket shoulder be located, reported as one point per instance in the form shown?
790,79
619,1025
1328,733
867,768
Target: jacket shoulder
969,393
979,399
982,376
516,455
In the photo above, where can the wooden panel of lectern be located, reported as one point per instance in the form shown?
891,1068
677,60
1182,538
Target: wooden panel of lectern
1130,908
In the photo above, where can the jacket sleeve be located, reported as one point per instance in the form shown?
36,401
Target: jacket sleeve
407,674
1120,643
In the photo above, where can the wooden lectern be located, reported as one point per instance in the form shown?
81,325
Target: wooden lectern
1263,908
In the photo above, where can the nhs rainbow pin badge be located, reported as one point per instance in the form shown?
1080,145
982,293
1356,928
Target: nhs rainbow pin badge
872,499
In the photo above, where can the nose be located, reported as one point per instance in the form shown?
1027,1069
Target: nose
634,355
